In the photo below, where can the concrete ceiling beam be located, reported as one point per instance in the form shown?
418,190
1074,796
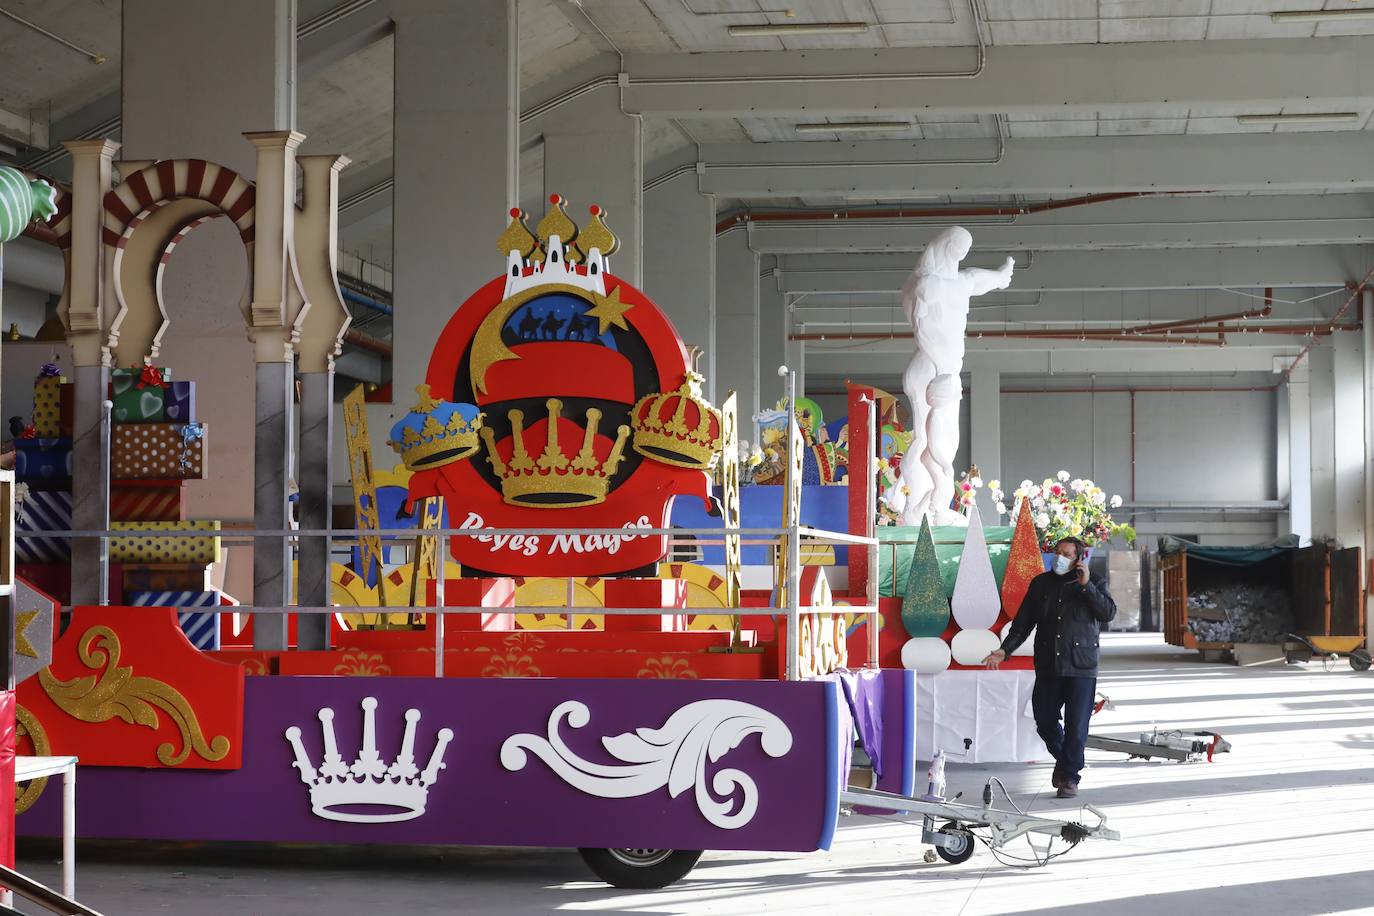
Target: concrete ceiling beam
1319,74
909,170
24,129
890,360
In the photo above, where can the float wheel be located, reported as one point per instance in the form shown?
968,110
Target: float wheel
640,868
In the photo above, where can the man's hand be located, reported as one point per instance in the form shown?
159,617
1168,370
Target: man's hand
1081,570
995,659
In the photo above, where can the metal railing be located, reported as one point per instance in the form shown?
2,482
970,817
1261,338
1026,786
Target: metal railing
49,899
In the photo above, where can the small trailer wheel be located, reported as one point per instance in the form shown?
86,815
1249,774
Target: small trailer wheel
1359,660
640,868
960,848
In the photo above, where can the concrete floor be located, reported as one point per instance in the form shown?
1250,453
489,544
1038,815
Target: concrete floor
1284,824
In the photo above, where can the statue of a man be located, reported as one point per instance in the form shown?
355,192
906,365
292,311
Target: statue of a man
936,299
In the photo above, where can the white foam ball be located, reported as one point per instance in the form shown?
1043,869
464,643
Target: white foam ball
970,647
926,654
1027,647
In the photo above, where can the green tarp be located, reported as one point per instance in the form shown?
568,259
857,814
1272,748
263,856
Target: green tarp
898,543
1227,556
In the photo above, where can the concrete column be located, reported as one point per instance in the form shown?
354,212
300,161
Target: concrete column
794,351
737,341
1298,397
680,263
985,433
772,333
456,160
271,505
1349,429
86,315
1323,389
1282,485
180,101
593,154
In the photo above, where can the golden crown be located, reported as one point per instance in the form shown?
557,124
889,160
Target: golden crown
678,428
553,480
435,432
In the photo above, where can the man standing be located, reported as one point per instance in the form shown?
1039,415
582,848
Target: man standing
1065,607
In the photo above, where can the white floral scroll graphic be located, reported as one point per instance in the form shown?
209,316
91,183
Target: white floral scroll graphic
674,755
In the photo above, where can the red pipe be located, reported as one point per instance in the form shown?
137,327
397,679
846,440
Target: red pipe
1022,335
364,342
1356,289
817,215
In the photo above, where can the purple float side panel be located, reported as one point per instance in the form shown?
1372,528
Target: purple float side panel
775,746
899,735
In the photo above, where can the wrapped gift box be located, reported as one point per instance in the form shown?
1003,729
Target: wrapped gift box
145,500
158,451
43,464
161,550
171,577
44,510
181,402
139,395
200,627
56,578
47,406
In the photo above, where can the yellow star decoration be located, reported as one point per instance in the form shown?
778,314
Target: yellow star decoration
610,311
22,646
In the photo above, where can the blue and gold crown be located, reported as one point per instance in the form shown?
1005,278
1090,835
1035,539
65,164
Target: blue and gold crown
436,433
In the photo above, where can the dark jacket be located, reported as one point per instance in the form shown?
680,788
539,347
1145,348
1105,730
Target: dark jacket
1066,618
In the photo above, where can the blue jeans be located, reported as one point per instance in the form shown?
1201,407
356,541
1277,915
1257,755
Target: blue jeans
1074,696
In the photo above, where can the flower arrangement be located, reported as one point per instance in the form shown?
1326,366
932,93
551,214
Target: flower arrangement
1064,507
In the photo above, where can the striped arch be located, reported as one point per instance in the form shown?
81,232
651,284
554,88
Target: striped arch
224,189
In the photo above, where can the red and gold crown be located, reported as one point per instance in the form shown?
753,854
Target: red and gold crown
553,480
678,428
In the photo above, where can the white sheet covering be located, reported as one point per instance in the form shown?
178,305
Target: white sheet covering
991,707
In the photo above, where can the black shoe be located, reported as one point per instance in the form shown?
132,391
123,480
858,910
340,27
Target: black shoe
1056,778
1067,790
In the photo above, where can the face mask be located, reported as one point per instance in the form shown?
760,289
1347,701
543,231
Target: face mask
1061,564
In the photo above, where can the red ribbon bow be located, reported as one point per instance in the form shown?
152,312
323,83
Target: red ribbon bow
150,377
30,432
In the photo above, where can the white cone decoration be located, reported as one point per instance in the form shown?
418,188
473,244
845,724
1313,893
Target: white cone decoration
976,602
1027,647
970,647
926,655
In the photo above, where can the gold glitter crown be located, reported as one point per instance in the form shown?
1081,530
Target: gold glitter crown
678,428
435,432
553,480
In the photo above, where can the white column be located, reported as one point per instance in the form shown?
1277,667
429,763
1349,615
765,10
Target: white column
772,331
1282,485
593,154
1367,313
196,75
1323,391
680,263
456,161
985,434
1349,434
1299,398
737,343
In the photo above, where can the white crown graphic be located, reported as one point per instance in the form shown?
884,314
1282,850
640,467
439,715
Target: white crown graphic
400,788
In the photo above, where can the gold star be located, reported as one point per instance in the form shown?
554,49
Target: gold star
22,646
610,310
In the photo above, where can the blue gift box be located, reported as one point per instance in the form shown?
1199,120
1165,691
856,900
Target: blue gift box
200,627
43,464
181,402
44,510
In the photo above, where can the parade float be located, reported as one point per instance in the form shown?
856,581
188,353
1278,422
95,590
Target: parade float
452,697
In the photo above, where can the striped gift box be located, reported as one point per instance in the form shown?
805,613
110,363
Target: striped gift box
44,510
145,500
200,627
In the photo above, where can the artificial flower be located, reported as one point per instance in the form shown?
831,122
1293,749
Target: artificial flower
1063,475
1116,502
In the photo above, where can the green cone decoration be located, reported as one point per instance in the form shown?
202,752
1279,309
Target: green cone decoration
925,609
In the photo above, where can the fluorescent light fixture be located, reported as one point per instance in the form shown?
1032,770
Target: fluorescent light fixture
798,28
1348,15
1302,117
853,127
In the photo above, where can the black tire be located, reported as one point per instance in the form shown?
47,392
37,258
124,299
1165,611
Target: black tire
1359,660
957,853
640,868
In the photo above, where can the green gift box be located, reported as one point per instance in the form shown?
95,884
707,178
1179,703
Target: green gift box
140,395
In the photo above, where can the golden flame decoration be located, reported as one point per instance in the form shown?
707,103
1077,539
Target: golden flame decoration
117,693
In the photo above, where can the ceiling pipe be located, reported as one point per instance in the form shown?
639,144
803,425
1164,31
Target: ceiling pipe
365,342
820,215
1018,335
1355,290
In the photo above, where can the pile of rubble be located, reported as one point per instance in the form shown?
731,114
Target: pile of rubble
1240,613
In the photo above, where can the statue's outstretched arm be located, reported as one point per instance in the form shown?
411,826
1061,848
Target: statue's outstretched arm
981,281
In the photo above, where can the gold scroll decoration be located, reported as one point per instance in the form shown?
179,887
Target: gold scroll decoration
730,508
118,693
27,724
364,491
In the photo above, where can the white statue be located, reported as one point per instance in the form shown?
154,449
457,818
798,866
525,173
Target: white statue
936,299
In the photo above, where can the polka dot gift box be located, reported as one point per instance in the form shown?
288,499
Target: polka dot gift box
199,544
158,451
